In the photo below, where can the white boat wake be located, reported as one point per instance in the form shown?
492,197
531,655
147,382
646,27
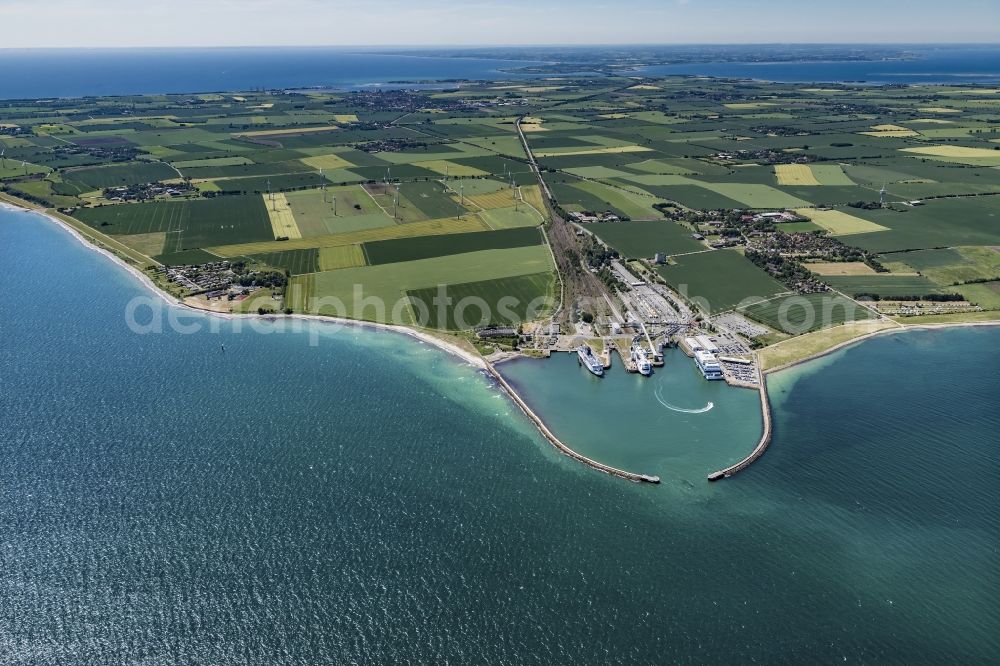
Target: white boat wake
675,408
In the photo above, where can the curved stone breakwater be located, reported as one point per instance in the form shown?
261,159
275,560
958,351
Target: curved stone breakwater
765,439
555,441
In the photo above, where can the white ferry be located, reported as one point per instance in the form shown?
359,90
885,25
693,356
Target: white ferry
590,360
641,361
708,364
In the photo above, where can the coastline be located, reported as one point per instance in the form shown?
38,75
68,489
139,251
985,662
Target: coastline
422,336
488,367
900,328
143,279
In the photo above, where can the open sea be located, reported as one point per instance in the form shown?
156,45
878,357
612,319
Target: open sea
370,499
42,73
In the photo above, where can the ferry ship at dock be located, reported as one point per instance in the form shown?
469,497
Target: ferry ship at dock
641,361
590,360
708,364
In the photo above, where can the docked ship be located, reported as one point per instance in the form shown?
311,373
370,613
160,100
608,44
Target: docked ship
641,361
590,360
708,364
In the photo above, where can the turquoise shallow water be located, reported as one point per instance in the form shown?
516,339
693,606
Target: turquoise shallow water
673,424
371,499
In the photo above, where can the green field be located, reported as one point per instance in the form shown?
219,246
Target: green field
188,224
885,285
507,301
235,160
381,289
983,294
830,174
512,217
719,280
425,228
262,184
754,195
938,223
642,240
432,199
720,150
295,262
632,203
426,247
953,265
118,175
804,313
356,210
928,259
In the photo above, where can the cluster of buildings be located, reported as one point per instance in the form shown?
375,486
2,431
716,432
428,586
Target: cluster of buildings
721,358
496,332
390,145
211,280
763,156
590,217
9,129
496,102
146,191
702,348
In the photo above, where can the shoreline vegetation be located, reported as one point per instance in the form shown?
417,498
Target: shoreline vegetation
775,358
422,336
643,209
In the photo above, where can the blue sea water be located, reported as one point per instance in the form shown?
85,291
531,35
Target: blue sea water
929,64
372,500
40,73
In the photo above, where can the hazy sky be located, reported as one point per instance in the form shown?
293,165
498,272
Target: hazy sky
47,23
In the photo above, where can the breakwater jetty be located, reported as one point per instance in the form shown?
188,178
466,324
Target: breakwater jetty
556,442
765,439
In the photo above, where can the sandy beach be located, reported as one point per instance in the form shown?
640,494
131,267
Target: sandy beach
143,279
481,363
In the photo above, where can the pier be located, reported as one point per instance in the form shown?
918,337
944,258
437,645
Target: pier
765,439
626,360
556,442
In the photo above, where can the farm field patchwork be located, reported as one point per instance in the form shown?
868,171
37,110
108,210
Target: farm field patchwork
185,178
425,228
355,210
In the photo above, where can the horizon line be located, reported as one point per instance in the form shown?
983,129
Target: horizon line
492,46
